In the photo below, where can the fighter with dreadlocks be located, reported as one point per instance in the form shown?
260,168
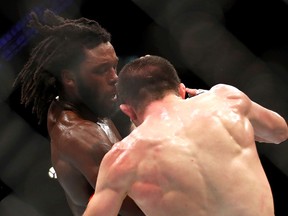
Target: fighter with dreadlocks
70,80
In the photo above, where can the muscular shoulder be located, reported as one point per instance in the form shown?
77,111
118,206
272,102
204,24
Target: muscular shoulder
76,129
111,170
121,161
73,137
235,98
225,89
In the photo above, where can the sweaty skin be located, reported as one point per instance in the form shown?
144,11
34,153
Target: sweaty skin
79,131
77,148
192,157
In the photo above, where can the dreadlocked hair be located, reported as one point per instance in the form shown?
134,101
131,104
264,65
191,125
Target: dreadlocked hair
62,45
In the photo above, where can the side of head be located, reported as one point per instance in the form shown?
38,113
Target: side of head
61,49
145,80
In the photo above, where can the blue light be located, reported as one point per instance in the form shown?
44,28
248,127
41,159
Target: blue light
19,35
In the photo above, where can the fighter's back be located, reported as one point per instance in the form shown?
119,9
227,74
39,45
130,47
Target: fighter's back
197,158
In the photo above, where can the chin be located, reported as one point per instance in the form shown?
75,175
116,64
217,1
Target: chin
108,111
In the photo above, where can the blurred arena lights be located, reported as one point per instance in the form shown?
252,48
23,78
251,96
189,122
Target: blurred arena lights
19,34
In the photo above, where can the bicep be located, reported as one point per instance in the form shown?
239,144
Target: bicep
109,194
76,187
268,125
85,149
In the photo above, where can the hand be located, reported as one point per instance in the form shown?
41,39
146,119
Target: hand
191,92
194,92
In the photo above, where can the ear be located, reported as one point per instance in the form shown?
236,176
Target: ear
129,111
68,77
182,90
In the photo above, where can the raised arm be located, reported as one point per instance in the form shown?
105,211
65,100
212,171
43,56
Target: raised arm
110,191
268,125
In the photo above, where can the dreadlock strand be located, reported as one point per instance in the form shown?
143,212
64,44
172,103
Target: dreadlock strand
36,24
27,71
44,55
52,19
44,87
40,79
31,81
41,104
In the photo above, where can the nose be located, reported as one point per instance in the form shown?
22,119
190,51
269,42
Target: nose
113,77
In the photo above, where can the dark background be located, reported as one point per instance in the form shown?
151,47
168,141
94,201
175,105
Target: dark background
238,42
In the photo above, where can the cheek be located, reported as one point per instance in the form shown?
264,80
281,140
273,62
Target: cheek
89,88
97,81
96,85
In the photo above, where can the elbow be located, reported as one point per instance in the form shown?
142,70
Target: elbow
282,136
280,132
275,136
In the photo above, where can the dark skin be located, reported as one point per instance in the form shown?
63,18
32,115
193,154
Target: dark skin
79,128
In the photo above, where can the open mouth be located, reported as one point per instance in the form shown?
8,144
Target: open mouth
114,97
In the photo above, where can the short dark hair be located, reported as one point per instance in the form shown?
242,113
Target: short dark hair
146,79
62,46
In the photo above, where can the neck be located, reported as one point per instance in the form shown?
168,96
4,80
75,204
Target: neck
79,108
159,107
